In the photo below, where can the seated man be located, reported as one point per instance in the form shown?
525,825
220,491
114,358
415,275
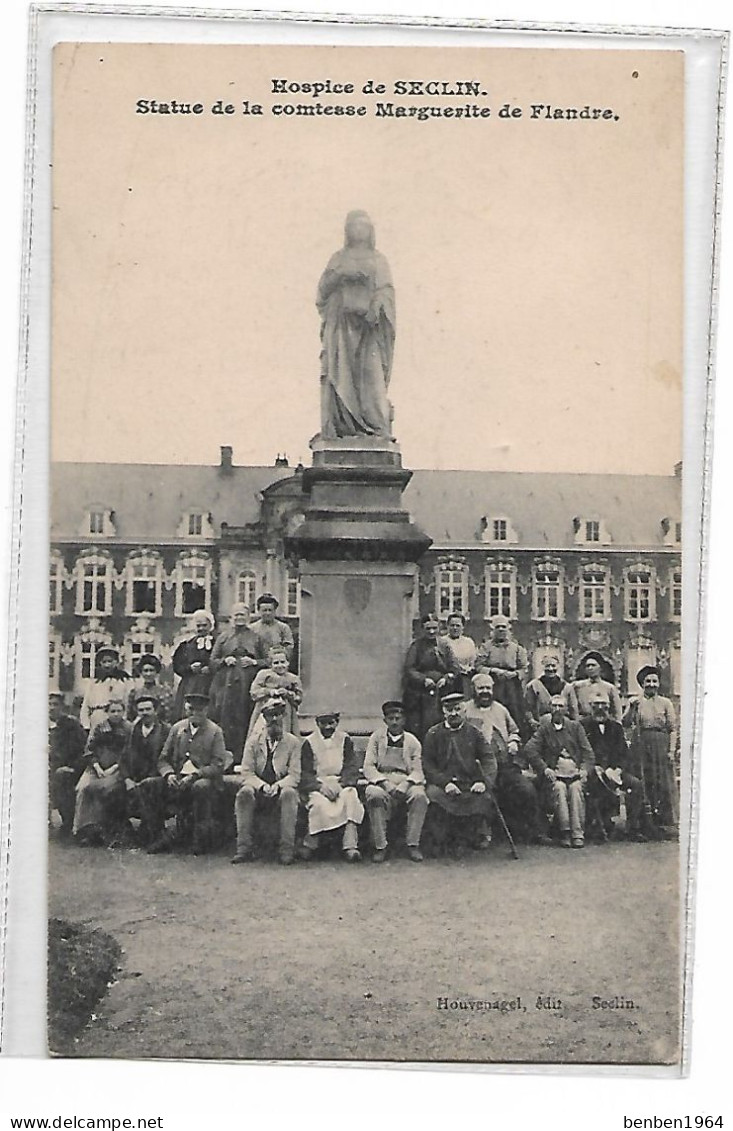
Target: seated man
270,779
99,813
139,762
329,773
191,766
460,769
393,770
515,791
66,741
560,754
612,776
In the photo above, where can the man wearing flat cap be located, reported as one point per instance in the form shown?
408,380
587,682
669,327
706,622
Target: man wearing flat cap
394,773
506,662
460,769
191,766
592,665
274,633
562,757
653,726
329,775
612,779
108,682
270,779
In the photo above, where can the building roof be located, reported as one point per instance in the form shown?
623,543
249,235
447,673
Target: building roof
149,501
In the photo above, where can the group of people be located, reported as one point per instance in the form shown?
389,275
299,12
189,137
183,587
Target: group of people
470,748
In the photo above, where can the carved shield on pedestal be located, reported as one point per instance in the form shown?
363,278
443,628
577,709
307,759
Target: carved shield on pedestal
357,593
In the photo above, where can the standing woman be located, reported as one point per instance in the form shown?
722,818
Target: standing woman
238,655
429,660
653,747
192,662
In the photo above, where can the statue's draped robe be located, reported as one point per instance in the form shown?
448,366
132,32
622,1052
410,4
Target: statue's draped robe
356,355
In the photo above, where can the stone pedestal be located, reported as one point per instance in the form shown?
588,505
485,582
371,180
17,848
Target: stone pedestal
358,550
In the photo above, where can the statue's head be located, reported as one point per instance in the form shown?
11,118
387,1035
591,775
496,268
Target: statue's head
358,229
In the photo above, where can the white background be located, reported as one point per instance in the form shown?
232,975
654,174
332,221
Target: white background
192,1096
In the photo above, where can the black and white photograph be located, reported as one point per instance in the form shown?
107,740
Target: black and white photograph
371,720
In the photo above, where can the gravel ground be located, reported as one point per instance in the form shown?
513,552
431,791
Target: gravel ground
327,961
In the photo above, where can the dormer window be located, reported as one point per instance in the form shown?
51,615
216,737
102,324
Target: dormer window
497,528
99,522
195,523
590,532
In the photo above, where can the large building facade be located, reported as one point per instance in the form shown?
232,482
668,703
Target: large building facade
577,562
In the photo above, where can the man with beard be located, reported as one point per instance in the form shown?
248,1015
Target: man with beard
539,692
506,662
562,757
139,763
515,791
270,780
460,769
612,776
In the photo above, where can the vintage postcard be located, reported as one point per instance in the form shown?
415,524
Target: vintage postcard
372,701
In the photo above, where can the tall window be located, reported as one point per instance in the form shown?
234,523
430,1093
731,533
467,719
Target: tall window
144,583
594,596
500,531
193,585
501,590
94,586
96,522
56,579
86,655
452,589
677,594
247,588
547,592
639,653
639,593
592,531
195,524
292,597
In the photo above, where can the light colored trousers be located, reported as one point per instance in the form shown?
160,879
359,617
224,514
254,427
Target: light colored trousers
568,806
381,803
244,807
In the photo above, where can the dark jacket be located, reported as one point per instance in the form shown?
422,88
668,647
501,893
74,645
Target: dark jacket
462,756
609,748
205,749
66,742
545,747
140,757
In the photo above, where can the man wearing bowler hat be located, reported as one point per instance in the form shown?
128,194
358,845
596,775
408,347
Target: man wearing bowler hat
270,779
191,766
274,633
460,770
394,773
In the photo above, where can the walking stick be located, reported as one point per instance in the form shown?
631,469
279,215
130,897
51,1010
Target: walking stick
504,825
